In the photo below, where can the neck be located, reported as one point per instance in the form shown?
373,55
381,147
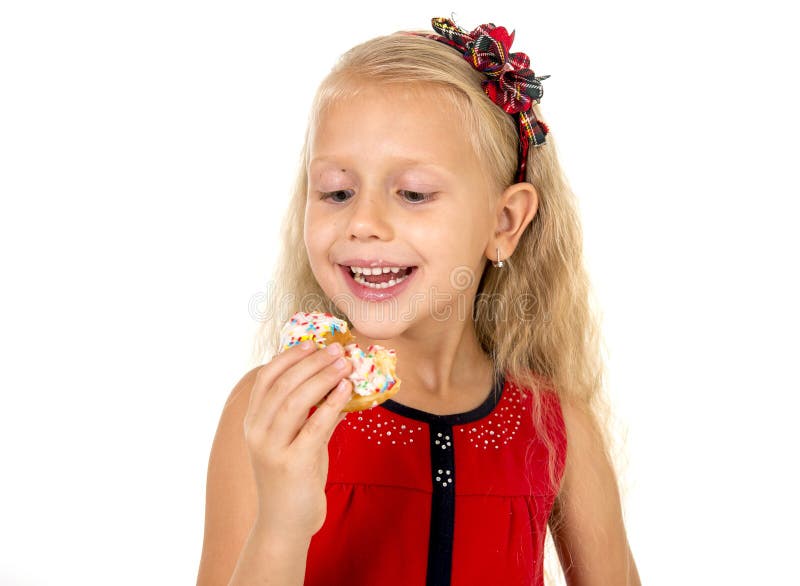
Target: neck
439,362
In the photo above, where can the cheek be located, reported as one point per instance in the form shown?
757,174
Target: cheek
315,249
310,241
319,238
311,223
445,238
317,222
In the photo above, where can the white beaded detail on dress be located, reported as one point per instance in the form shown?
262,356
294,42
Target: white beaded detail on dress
501,426
495,430
382,428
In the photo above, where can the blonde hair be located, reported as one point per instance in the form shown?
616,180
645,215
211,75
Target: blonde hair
552,341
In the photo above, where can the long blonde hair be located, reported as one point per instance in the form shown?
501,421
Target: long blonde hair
552,340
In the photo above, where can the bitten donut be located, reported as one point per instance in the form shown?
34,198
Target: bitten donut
373,377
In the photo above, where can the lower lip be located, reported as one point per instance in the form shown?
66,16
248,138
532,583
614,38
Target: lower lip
369,294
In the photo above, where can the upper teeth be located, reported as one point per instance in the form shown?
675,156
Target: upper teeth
376,270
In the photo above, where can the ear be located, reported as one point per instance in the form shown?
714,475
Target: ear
515,209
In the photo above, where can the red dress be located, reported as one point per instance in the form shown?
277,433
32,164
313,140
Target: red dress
416,498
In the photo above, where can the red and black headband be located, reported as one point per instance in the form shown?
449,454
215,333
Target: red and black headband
511,84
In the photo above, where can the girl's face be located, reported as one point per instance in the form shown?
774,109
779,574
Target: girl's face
393,182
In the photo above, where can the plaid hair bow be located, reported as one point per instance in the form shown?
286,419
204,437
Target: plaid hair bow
511,84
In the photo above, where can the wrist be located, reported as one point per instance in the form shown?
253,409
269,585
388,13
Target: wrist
280,542
271,559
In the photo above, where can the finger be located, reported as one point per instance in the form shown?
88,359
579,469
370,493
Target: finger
274,368
293,412
289,380
318,429
342,416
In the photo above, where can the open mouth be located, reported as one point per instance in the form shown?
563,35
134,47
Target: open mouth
379,277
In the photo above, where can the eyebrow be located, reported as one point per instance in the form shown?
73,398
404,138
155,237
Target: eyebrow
404,161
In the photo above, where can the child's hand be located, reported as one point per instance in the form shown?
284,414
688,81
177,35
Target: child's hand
289,450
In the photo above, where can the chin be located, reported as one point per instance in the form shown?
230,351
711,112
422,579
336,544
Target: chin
376,321
378,330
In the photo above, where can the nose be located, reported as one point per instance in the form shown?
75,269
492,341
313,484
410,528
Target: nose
369,217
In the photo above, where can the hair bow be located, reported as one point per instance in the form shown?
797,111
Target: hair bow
512,85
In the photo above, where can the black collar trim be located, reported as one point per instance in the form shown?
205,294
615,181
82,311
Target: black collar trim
479,412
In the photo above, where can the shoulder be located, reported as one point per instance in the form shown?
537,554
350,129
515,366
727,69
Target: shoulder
587,460
231,495
579,423
588,528
239,397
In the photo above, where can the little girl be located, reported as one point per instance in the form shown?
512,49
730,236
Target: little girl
426,159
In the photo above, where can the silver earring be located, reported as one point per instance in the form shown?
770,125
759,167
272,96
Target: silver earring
498,263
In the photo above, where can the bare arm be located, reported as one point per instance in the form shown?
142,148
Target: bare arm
587,524
235,551
266,561
268,467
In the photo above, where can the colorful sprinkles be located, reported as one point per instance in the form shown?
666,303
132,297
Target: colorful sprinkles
373,368
310,326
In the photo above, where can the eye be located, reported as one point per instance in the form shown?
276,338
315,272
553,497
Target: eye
335,195
416,197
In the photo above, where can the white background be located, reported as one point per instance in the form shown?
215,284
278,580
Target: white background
146,153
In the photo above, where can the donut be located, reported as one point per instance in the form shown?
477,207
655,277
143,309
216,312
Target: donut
373,377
